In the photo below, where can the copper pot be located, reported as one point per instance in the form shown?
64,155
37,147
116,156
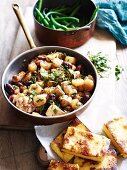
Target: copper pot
21,62
69,39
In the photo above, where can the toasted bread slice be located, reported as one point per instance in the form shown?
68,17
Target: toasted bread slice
85,144
57,143
109,162
116,130
57,165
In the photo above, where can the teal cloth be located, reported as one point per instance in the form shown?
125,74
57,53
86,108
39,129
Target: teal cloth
112,16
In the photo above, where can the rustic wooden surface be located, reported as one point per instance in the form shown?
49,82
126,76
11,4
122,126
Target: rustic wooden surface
18,148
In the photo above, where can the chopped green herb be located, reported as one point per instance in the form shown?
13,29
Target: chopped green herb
50,101
118,71
55,110
41,108
39,100
34,92
55,75
74,94
101,63
34,79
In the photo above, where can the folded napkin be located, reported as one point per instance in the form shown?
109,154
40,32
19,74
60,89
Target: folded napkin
112,16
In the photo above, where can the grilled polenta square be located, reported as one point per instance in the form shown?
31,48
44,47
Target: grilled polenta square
116,130
85,144
57,165
57,143
109,162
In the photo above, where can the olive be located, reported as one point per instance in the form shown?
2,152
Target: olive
86,97
27,83
9,89
79,68
19,84
42,57
11,98
51,97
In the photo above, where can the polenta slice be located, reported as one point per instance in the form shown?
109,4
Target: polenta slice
85,144
57,165
116,130
57,143
109,162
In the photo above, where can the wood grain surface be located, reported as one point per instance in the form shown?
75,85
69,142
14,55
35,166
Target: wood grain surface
18,148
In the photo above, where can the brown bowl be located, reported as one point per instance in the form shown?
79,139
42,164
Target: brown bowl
21,62
69,39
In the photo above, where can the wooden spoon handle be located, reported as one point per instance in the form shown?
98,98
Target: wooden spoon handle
22,22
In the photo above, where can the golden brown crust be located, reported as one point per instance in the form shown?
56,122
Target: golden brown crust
85,144
108,163
57,165
116,130
57,143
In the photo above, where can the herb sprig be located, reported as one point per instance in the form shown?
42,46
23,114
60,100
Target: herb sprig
101,63
118,71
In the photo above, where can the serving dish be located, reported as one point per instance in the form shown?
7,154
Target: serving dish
18,63
73,38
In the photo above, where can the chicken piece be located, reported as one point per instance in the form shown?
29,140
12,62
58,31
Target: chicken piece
54,110
58,90
23,102
56,62
19,77
46,65
65,100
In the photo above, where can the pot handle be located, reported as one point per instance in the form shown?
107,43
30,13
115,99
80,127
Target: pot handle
74,32
22,22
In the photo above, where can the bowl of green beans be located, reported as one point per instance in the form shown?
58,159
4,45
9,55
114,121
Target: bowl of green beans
68,23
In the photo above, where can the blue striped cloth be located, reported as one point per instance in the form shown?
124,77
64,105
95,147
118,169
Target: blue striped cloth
112,16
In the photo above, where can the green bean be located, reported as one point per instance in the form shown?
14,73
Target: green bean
45,16
94,13
43,20
54,12
75,11
67,18
57,24
39,6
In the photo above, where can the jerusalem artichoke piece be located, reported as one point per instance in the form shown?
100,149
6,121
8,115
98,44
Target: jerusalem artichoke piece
54,110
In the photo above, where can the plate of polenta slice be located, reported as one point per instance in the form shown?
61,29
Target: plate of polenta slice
80,149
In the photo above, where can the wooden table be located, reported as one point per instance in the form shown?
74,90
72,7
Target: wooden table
18,148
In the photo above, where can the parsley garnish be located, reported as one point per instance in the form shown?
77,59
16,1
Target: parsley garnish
118,71
39,100
34,92
101,63
41,108
55,110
